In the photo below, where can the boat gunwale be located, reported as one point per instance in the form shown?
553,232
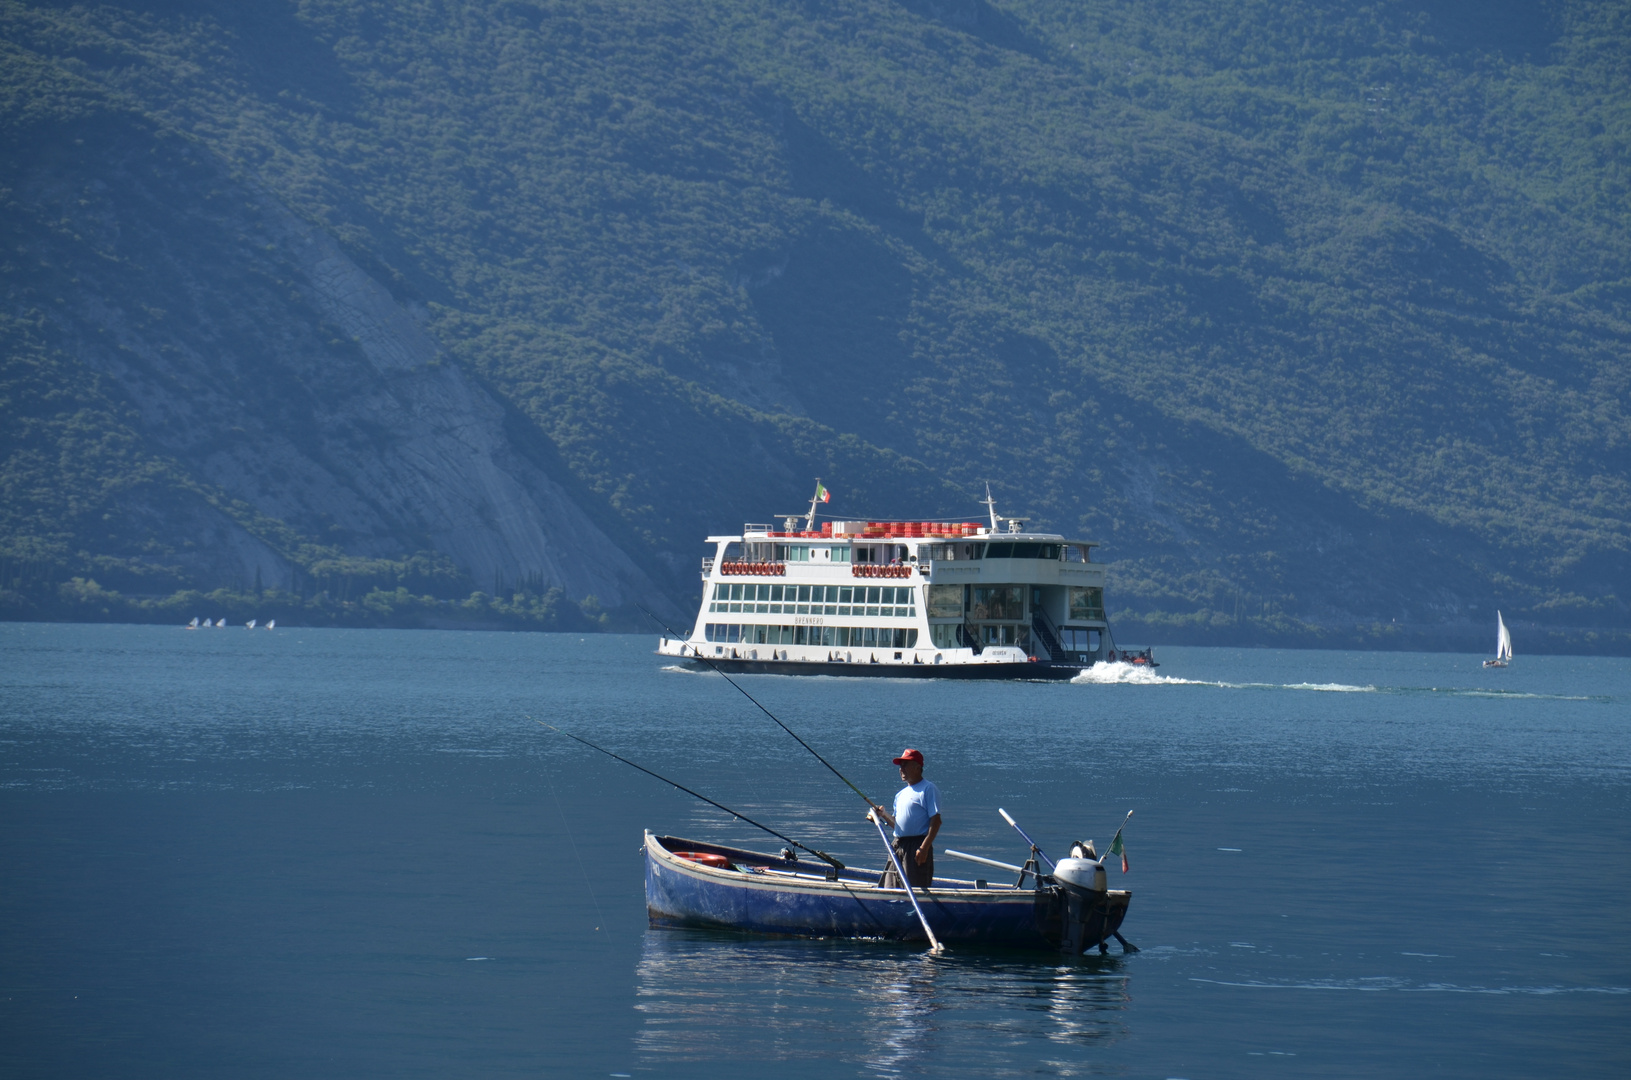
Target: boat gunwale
964,892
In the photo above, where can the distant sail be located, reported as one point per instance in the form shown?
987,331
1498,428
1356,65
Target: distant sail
222,621
251,624
194,624
1503,639
271,624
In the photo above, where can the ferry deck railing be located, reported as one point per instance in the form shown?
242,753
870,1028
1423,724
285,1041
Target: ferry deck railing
1044,628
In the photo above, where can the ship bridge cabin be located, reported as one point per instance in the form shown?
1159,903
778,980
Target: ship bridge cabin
925,594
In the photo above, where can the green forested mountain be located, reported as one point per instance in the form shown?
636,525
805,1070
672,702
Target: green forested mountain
1316,314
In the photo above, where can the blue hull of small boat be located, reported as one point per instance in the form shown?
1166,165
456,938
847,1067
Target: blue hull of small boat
777,897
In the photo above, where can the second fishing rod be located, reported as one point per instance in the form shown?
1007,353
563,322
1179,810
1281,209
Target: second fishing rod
696,654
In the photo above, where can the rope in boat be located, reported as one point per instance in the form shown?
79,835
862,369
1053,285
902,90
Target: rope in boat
822,855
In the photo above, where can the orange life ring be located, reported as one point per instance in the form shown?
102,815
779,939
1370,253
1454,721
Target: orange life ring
705,858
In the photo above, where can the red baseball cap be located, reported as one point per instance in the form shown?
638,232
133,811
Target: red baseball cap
909,755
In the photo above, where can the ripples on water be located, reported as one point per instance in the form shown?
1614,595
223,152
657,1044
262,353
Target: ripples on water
879,1007
334,853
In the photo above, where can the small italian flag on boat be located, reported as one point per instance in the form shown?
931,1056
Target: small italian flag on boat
822,493
1117,847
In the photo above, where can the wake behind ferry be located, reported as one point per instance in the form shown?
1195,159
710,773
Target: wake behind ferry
900,599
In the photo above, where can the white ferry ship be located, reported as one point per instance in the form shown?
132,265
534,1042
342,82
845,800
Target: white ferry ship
900,599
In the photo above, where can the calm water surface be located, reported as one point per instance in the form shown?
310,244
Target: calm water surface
337,853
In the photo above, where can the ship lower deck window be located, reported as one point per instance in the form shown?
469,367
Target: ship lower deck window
1074,639
838,637
1006,635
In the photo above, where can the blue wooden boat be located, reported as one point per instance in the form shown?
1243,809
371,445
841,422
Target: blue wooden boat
690,883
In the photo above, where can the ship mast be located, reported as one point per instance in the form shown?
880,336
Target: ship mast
991,504
809,522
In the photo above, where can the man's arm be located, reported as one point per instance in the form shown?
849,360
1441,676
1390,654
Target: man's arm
925,849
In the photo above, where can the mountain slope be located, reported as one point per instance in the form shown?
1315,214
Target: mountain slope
1315,317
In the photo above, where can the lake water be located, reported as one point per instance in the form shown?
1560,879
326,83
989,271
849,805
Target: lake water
339,853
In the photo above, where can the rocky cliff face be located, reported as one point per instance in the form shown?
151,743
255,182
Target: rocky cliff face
248,350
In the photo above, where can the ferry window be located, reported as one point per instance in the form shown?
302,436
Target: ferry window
722,592
1050,552
1086,603
997,602
945,601
999,551
973,551
1074,553
872,594
736,592
775,592
840,554
804,594
846,595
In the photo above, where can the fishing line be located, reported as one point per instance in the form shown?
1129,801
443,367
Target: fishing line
822,855
697,654
584,870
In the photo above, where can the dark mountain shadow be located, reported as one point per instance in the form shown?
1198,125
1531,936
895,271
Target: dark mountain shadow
1515,30
279,56
836,314
979,19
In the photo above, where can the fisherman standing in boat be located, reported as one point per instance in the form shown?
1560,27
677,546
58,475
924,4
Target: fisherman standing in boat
916,820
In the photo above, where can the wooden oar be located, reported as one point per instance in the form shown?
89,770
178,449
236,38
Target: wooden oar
934,943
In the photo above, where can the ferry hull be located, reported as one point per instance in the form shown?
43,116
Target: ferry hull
1036,671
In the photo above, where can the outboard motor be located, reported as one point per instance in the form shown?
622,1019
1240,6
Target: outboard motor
1084,884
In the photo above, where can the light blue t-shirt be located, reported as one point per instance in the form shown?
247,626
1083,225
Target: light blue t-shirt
915,804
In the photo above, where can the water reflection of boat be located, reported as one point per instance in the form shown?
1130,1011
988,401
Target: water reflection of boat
702,995
690,883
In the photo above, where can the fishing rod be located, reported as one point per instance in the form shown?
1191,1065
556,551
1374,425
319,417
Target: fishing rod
822,855
1009,819
696,653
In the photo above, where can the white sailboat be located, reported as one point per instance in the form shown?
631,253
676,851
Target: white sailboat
1503,644
271,624
194,624
250,624
222,621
